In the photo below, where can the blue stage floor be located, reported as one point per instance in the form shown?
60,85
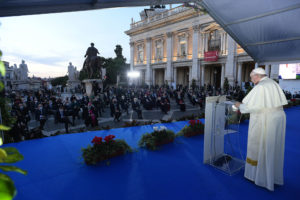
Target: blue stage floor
57,172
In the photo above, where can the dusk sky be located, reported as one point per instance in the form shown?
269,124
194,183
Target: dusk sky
49,42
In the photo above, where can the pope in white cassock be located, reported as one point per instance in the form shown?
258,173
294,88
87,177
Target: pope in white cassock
266,134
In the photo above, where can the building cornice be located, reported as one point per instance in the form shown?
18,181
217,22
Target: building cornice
187,14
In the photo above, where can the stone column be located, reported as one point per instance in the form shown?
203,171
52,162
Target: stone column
190,76
169,58
205,42
256,65
131,55
131,60
230,62
202,75
195,66
267,70
222,44
153,76
175,75
202,45
222,74
239,78
148,66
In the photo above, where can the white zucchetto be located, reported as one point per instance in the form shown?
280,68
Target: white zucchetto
258,70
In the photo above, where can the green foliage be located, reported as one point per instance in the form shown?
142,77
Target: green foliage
7,119
191,117
195,127
131,124
104,150
82,75
226,85
157,138
7,187
2,68
62,80
116,66
8,154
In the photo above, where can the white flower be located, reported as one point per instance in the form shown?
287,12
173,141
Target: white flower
155,128
163,128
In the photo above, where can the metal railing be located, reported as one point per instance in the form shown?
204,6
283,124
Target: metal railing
159,16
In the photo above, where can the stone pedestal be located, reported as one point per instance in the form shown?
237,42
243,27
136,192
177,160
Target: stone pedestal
21,85
35,85
72,84
88,83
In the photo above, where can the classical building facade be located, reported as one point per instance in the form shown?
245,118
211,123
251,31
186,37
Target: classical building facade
179,45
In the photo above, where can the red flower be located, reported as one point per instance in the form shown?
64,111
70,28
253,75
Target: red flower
109,138
192,122
97,140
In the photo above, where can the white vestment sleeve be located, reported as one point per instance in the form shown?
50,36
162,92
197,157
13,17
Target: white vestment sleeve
243,108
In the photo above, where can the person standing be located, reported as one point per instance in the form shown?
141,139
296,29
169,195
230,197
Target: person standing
41,116
266,134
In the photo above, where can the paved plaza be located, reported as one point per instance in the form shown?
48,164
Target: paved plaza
155,115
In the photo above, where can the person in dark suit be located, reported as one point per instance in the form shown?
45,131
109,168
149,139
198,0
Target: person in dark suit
137,108
116,110
62,117
41,116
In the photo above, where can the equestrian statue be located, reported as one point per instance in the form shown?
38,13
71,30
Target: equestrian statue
93,63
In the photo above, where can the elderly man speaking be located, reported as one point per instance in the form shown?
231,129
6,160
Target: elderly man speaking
266,134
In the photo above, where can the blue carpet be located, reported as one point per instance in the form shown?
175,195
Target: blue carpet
56,170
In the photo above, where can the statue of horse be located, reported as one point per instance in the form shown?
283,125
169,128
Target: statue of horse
93,67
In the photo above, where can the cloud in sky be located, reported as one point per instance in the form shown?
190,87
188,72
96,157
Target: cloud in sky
49,42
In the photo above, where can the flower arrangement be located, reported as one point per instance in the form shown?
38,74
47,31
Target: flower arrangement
104,149
195,127
160,136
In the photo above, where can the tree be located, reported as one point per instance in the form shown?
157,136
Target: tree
226,85
116,66
62,80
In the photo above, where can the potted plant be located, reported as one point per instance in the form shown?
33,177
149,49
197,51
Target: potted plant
104,149
195,127
160,136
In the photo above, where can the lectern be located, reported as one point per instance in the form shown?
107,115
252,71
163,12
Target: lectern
222,136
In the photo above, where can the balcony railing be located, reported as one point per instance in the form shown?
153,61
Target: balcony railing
159,16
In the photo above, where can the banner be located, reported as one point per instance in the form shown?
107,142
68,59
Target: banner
211,56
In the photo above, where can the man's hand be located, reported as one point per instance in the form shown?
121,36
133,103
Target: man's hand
237,104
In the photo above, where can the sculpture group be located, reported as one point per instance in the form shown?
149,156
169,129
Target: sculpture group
21,73
93,63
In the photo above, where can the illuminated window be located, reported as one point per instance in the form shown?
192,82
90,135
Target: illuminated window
140,51
159,50
182,48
